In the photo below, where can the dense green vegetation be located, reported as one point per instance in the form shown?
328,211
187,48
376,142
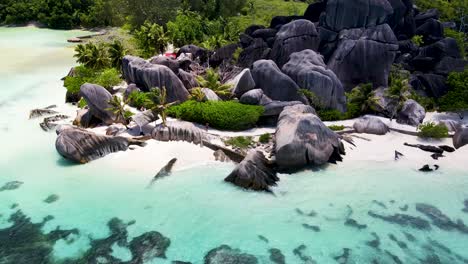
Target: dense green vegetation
336,127
212,81
431,130
239,142
225,115
450,10
457,97
265,138
107,78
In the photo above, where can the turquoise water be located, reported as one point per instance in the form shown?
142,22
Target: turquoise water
304,218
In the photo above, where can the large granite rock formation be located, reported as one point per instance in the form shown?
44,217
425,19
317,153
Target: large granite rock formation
147,76
82,146
411,114
370,125
302,139
188,79
309,71
293,37
171,63
242,83
254,173
98,99
364,55
257,50
460,138
274,83
178,131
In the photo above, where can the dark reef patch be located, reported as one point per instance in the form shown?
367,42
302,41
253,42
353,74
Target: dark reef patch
353,223
466,206
395,258
10,186
343,258
225,254
311,227
375,243
311,213
381,204
441,220
262,238
403,220
299,252
400,244
276,256
51,198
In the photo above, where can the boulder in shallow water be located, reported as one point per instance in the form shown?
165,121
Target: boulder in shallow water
411,114
302,139
460,138
97,98
82,146
370,125
254,173
178,131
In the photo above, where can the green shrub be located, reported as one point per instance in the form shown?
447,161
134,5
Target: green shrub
457,97
82,103
417,40
431,130
108,78
314,100
138,99
265,138
330,115
336,127
240,142
227,115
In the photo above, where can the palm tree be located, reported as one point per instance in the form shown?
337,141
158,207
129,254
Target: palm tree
97,56
363,95
81,54
158,103
118,109
116,53
211,81
197,95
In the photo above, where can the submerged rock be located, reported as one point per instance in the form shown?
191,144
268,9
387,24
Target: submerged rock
42,112
299,252
148,246
302,139
225,254
9,186
165,171
403,220
254,173
178,131
82,146
276,256
51,198
371,125
353,223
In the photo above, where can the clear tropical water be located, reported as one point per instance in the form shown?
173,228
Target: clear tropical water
304,219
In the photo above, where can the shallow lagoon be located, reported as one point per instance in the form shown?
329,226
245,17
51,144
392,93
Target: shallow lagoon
304,218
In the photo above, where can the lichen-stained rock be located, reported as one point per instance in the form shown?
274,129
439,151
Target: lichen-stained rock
460,138
302,139
254,173
370,125
364,55
411,114
309,71
257,50
98,99
242,83
82,146
147,76
293,37
171,63
343,14
274,83
178,131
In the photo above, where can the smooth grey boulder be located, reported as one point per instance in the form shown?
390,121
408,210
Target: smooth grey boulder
344,14
242,83
115,130
178,131
210,95
98,99
148,76
188,79
254,173
370,125
452,125
364,55
309,71
274,83
81,146
302,139
144,118
274,108
252,97
411,114
460,138
295,36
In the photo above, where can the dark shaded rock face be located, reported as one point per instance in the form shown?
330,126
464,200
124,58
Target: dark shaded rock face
82,146
257,50
314,11
178,131
171,63
403,220
411,114
242,83
460,138
254,173
187,79
370,125
226,255
343,14
293,37
197,52
274,83
253,97
432,31
383,104
432,84
278,21
98,99
302,139
223,54
148,76
309,71
449,64
364,56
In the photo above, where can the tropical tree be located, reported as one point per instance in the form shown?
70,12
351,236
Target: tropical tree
399,92
363,97
116,53
211,81
158,103
117,107
151,38
81,54
197,94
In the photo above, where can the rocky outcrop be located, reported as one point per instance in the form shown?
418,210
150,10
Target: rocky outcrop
257,50
148,76
293,37
242,83
254,173
178,131
432,85
274,83
223,54
302,139
309,71
82,146
364,55
130,89
171,63
431,30
51,122
411,114
197,52
188,79
97,98
460,138
254,97
344,14
370,125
